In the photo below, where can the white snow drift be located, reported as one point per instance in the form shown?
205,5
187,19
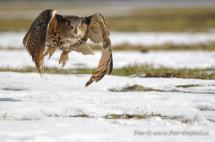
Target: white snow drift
188,59
14,39
54,108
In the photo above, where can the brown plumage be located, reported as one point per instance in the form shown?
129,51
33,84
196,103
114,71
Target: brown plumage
50,31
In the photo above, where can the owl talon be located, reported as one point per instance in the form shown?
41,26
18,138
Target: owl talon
64,58
50,51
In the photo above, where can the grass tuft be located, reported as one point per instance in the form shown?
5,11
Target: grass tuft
188,85
127,116
132,88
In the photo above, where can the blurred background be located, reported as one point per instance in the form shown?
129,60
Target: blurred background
123,15
156,34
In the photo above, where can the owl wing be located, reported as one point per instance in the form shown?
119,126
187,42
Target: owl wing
35,39
99,32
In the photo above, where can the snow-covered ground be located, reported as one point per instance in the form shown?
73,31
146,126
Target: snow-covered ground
53,108
156,38
175,59
14,39
58,108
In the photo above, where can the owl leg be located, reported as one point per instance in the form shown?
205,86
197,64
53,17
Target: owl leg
64,57
50,51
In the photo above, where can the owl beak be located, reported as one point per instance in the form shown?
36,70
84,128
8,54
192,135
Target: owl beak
76,31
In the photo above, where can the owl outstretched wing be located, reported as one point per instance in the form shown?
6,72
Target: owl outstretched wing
99,32
35,39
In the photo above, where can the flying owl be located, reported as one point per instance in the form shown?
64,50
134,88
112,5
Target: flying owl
51,31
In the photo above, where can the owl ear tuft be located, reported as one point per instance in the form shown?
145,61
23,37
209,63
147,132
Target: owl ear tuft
53,24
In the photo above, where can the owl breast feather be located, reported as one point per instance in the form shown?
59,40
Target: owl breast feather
68,43
61,42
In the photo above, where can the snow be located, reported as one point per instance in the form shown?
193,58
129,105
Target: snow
156,38
11,39
37,109
58,108
174,59
14,39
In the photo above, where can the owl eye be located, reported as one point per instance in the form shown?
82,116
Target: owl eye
67,23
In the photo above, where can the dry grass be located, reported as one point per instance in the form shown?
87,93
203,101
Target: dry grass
150,71
138,70
166,19
188,85
180,119
152,19
136,88
14,25
127,116
209,46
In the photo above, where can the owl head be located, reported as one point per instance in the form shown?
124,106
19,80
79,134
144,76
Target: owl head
74,26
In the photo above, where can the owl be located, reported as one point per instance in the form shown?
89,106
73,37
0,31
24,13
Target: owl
51,31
